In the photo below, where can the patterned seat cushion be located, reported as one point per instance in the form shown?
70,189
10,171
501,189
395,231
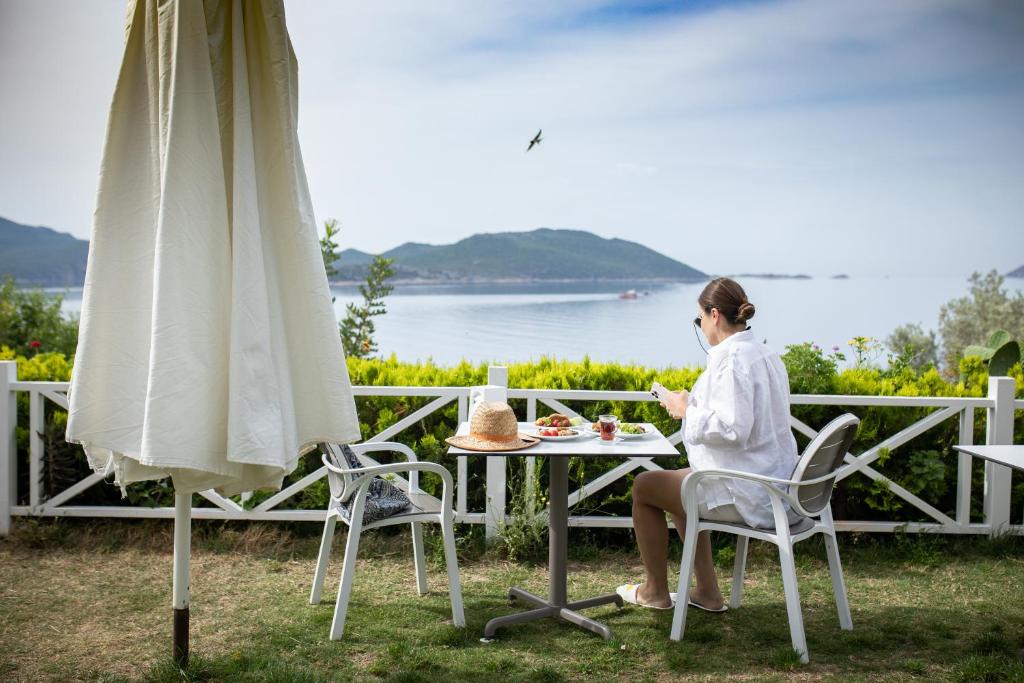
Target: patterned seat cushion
383,499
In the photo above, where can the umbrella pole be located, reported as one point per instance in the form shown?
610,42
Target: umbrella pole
181,590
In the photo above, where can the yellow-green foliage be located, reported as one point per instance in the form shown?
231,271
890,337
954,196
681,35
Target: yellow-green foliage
42,367
926,466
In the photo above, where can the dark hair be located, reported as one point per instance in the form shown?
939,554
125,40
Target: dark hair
729,298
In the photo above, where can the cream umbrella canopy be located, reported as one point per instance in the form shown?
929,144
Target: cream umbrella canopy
208,348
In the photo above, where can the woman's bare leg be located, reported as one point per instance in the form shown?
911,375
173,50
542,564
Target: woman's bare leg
654,494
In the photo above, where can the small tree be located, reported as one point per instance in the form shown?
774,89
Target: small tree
972,319
329,248
357,328
911,346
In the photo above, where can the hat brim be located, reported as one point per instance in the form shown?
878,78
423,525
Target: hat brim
470,443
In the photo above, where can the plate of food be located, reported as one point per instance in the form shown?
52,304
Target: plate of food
557,434
632,430
559,421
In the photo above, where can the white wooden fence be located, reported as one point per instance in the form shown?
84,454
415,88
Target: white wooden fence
999,404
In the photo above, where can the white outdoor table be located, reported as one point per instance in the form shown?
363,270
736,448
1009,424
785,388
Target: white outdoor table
1011,456
558,454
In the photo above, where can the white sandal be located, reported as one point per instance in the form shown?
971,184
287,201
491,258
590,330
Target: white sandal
694,603
627,592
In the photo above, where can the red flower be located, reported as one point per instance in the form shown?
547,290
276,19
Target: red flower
35,344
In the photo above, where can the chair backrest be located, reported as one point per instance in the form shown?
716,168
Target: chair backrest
343,458
823,456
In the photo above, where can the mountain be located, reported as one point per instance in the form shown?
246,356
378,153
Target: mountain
41,256
1016,273
353,257
542,254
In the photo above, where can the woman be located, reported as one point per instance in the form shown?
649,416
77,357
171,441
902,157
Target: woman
736,417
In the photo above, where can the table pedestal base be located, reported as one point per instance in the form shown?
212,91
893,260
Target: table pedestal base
557,605
544,609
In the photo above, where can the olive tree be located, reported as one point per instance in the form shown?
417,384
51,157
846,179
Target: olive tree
971,319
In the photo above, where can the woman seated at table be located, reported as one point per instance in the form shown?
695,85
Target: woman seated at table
736,417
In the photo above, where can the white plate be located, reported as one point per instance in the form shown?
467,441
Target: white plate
536,434
624,435
619,432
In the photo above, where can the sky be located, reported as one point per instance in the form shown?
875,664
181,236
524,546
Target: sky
814,136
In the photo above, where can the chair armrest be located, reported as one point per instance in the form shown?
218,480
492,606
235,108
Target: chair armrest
376,470
738,474
362,476
390,446
688,490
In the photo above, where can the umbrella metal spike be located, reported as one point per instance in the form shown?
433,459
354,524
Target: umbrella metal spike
181,591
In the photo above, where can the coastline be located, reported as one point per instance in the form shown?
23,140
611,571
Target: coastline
433,282
772,276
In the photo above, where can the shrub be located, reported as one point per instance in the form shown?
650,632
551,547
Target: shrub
31,321
910,345
926,466
810,370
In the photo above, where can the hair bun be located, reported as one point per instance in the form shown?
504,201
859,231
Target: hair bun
729,298
745,312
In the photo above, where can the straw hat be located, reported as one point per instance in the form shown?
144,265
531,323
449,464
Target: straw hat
493,427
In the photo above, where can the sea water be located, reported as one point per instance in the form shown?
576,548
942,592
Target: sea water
518,322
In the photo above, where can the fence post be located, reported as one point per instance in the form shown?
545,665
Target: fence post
8,445
965,462
998,432
497,375
36,427
530,468
462,466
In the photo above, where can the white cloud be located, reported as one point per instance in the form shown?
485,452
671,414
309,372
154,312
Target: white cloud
806,135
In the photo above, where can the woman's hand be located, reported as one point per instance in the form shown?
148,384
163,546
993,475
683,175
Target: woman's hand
676,403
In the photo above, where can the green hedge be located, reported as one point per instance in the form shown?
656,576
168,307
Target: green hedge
926,466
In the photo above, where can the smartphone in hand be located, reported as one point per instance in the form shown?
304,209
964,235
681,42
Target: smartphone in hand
659,392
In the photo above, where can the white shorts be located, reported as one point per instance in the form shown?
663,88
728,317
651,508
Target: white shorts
722,513
729,513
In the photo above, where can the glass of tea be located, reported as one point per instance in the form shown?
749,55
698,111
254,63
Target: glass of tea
607,425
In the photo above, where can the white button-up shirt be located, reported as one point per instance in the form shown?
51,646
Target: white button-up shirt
738,419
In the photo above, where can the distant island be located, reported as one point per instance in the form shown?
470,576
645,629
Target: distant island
40,256
35,255
541,255
841,276
1016,273
773,276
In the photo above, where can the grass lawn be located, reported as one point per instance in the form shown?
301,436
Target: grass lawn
83,600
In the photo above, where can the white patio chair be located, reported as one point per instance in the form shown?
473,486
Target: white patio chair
349,486
809,493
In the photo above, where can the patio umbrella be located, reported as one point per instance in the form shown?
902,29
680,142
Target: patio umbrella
208,349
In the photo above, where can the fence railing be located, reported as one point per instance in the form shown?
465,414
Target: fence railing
999,404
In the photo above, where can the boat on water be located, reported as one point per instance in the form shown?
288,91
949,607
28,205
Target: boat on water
630,294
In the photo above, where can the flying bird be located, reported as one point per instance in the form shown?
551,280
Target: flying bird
535,141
